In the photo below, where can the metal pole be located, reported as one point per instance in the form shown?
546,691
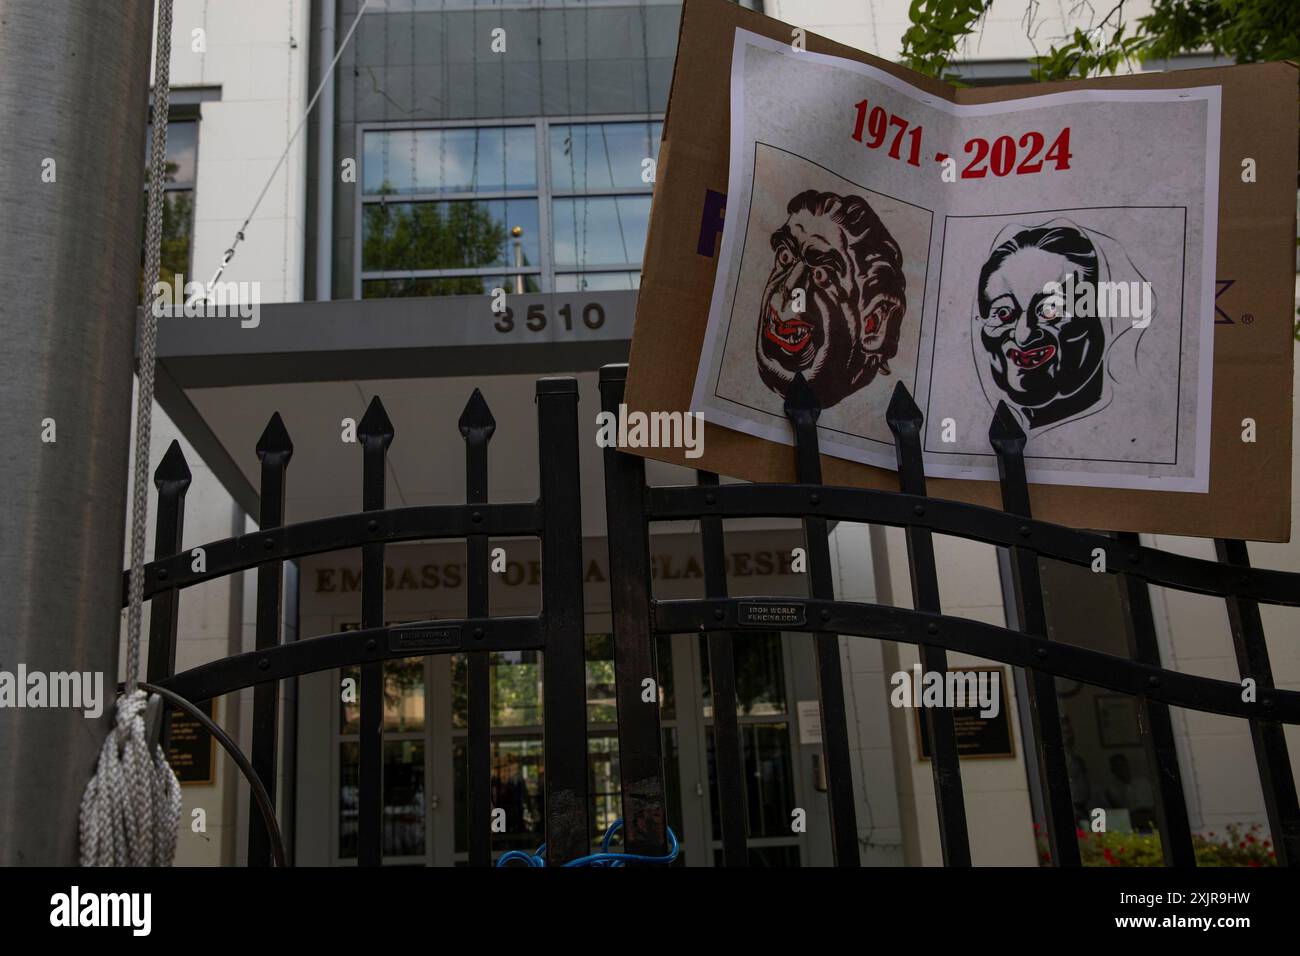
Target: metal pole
73,102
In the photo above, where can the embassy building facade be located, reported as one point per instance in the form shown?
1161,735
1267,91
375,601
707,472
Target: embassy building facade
463,149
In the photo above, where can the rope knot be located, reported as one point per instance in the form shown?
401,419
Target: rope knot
128,721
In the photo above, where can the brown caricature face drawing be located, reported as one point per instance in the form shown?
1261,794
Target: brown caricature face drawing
834,257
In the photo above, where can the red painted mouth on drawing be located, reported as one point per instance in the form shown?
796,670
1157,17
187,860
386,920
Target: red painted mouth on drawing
1032,358
790,335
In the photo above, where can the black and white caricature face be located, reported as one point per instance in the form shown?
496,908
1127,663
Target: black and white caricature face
834,300
1045,359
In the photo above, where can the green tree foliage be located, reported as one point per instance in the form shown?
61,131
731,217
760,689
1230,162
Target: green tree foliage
177,224
1247,31
444,235
938,27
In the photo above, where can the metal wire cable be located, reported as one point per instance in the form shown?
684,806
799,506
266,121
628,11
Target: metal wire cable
329,72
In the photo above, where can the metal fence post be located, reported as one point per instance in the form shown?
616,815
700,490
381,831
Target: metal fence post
1008,441
722,676
476,426
274,449
802,409
904,420
375,433
564,689
1171,806
172,479
640,739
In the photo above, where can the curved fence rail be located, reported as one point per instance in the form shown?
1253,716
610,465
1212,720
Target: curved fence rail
638,618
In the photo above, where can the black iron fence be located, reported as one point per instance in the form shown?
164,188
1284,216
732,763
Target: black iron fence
638,618
557,631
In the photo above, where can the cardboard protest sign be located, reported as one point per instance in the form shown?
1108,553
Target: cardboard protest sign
1064,248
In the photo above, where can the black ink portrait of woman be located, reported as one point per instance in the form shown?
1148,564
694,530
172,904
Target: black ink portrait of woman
1044,356
834,300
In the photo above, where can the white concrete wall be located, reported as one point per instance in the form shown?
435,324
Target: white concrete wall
256,53
872,754
996,790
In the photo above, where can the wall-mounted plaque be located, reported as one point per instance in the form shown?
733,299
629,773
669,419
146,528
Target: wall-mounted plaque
191,750
976,736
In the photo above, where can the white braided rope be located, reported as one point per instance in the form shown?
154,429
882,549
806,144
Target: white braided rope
131,810
148,340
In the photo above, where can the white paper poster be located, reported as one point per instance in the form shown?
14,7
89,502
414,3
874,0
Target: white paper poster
1054,252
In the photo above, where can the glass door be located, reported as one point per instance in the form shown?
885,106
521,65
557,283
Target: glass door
426,751
518,757
406,765
774,786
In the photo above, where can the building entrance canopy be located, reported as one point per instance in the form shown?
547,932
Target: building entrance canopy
318,363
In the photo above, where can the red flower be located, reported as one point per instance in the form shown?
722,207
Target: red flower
1267,843
1250,838
1121,851
1242,844
1109,858
1253,863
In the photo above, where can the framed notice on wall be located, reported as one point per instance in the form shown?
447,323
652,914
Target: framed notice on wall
191,751
977,736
